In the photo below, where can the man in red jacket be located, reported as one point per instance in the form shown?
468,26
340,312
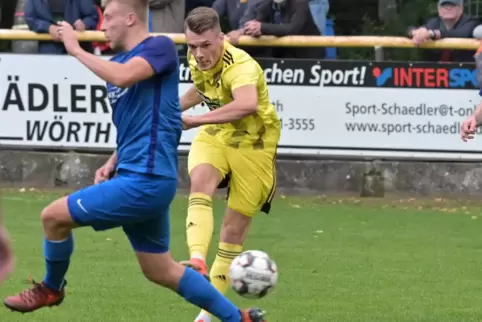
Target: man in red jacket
102,47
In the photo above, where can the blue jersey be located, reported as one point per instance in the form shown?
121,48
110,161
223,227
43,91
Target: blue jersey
147,115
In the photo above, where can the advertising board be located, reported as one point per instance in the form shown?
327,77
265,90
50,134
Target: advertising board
352,109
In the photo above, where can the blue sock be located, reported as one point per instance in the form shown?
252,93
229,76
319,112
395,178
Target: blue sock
196,289
57,258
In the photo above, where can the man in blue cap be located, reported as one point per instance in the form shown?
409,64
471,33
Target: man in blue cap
450,23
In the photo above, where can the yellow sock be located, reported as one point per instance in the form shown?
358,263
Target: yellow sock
219,273
199,224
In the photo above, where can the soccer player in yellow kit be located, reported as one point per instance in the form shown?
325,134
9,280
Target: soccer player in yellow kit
236,144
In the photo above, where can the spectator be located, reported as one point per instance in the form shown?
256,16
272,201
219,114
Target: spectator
237,18
450,23
7,13
246,12
319,11
285,18
7,19
42,17
167,15
100,48
235,10
193,4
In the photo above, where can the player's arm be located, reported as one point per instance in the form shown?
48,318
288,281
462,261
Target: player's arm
112,160
6,254
5,250
245,103
157,57
106,171
470,125
243,80
477,114
190,99
120,75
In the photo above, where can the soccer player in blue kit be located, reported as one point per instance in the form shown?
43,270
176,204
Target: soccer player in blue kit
142,82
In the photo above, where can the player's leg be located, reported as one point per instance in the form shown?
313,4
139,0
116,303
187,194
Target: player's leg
150,240
194,288
233,233
58,246
251,185
207,166
99,206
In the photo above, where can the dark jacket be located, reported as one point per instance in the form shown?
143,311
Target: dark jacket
7,19
7,13
167,15
235,11
39,18
296,20
462,29
193,4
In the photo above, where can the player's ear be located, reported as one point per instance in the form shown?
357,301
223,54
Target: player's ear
222,36
131,19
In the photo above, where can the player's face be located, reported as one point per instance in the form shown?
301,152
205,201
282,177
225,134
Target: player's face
206,47
117,20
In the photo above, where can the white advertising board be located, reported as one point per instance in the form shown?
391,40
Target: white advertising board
342,109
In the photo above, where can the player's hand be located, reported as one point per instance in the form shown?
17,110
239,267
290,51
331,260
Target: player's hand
189,122
79,25
468,128
103,173
6,256
69,38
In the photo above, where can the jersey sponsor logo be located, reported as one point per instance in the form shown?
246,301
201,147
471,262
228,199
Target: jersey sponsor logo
211,103
114,93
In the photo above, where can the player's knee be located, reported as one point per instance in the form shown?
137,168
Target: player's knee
152,276
49,218
205,178
166,277
56,216
161,269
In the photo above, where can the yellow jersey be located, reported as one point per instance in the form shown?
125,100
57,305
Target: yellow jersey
235,69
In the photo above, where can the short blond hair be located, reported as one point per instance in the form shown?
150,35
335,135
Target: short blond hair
141,7
202,19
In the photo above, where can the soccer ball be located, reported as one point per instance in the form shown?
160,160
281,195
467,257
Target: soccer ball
253,274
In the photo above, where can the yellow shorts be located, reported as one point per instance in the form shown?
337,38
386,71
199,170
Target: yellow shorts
251,173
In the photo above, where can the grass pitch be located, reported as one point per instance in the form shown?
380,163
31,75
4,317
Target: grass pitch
339,259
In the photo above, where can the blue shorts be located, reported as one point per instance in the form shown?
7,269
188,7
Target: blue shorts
139,203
